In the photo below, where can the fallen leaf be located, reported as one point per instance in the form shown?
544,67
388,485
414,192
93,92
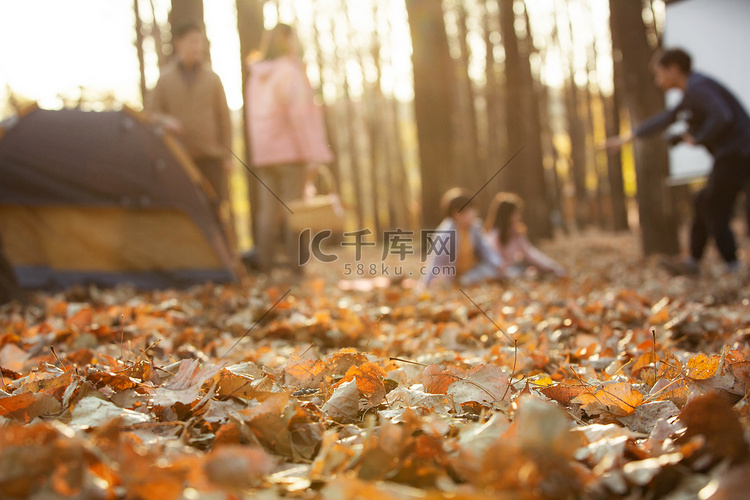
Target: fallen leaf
343,404
483,384
437,379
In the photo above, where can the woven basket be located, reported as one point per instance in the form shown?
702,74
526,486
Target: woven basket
318,211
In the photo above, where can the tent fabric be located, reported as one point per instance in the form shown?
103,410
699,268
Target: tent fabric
102,197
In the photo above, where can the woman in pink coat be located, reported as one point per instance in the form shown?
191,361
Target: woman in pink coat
287,137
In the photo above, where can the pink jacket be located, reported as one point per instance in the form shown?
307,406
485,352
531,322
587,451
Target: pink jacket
285,125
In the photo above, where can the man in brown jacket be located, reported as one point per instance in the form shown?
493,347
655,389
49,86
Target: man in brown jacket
189,101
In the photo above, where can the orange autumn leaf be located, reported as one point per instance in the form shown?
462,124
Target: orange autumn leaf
27,406
117,382
619,399
436,379
563,394
339,362
81,319
369,378
702,367
238,386
305,373
642,362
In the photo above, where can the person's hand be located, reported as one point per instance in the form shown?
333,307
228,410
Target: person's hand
560,272
502,271
613,144
171,124
312,169
689,139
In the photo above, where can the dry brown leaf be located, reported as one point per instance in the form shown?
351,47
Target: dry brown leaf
437,379
619,398
305,373
343,405
369,377
712,417
483,384
185,387
563,394
238,467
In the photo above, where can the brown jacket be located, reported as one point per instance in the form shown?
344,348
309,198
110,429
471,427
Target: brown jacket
199,103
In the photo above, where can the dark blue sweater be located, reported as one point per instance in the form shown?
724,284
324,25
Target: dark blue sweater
715,118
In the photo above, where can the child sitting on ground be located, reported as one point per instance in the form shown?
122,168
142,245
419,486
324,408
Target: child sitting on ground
472,261
505,234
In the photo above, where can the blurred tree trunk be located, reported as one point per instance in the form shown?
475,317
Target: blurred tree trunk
655,208
466,164
349,130
400,197
577,152
364,119
329,114
612,168
250,29
155,32
139,50
526,174
600,209
614,163
434,91
541,199
494,139
381,178
186,11
577,132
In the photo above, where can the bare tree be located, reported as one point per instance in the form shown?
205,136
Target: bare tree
250,30
526,175
655,208
139,49
434,91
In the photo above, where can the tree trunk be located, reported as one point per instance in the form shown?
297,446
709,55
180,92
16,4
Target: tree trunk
363,120
434,91
139,50
155,31
466,162
494,139
577,152
186,11
250,29
655,208
526,173
614,165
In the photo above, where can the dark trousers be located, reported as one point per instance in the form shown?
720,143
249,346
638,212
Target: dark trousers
714,207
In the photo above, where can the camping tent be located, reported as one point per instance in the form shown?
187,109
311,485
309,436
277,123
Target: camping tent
104,198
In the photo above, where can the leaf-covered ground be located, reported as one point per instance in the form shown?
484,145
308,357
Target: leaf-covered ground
618,382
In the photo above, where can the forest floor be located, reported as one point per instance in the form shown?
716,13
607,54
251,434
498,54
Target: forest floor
619,381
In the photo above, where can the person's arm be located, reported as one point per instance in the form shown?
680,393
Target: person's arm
652,125
156,106
656,123
539,259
